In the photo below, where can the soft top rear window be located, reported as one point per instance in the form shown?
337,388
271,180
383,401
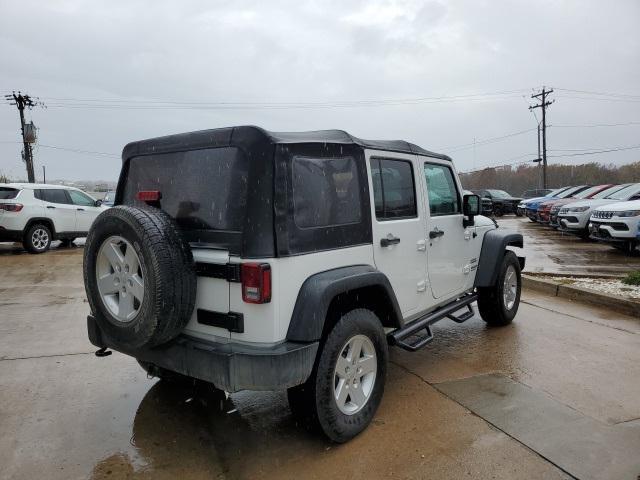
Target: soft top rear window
7,193
202,189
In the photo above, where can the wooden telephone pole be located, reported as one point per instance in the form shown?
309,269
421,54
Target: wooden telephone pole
544,103
22,101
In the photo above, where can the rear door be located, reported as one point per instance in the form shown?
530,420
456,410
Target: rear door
58,207
399,245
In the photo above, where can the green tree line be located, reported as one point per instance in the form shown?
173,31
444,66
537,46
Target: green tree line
525,177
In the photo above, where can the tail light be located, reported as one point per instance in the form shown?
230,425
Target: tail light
149,195
256,282
11,207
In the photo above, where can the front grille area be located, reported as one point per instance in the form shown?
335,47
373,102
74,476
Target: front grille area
563,211
602,214
555,209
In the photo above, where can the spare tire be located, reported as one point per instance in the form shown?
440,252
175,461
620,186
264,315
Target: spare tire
139,276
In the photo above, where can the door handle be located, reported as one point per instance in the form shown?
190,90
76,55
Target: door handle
50,206
389,240
81,209
435,233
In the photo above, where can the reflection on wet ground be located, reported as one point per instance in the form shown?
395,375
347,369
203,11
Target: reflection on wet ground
550,251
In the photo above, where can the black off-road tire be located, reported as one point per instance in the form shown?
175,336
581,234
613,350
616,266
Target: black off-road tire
169,276
491,303
29,243
314,401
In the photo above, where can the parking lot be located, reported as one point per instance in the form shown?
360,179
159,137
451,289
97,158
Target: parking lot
554,395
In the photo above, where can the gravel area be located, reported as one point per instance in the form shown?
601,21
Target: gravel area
604,285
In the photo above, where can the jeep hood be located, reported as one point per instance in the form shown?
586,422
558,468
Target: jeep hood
621,206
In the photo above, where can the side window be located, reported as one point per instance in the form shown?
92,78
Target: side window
326,191
79,198
394,191
442,190
54,195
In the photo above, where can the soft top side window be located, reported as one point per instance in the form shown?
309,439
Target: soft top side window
393,189
326,191
442,191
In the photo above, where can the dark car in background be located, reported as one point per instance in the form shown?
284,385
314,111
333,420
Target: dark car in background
503,202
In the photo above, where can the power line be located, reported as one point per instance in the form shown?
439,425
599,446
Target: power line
596,125
75,150
226,105
602,94
486,141
595,152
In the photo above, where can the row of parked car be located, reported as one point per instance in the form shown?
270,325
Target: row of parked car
606,213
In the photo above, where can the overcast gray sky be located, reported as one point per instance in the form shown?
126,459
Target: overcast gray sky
113,54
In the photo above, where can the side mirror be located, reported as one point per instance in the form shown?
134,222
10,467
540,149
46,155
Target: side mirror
470,208
98,203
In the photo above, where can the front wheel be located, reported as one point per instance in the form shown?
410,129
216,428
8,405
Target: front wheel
498,304
346,386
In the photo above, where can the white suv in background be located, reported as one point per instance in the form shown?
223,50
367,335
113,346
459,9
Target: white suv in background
618,224
574,217
36,214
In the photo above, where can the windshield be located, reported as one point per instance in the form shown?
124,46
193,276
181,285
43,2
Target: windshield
555,192
609,191
499,194
567,193
625,193
588,191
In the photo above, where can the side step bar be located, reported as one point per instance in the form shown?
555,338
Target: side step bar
424,323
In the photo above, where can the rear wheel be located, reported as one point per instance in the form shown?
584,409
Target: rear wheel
347,383
37,238
498,304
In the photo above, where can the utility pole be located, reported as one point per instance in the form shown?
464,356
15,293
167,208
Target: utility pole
544,103
28,129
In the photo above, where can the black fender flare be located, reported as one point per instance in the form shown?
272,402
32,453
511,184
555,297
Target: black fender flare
45,220
317,292
494,244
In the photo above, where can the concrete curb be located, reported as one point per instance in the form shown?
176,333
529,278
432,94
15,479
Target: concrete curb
557,289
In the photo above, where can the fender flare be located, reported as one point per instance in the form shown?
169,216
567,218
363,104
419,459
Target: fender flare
494,244
317,292
46,220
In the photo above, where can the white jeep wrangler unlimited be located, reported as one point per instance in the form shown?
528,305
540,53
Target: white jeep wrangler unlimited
260,260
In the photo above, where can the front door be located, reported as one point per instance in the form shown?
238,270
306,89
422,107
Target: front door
448,240
398,227
86,210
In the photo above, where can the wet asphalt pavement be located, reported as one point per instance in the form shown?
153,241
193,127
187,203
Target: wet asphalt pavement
551,251
554,395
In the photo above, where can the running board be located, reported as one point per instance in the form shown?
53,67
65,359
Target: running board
399,336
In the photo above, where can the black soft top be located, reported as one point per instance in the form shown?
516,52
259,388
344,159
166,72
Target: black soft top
249,137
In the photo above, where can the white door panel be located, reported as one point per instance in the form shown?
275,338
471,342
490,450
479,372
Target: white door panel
449,242
399,245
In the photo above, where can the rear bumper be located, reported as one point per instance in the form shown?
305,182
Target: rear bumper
229,366
10,235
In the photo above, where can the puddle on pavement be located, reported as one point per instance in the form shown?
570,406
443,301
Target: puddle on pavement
179,431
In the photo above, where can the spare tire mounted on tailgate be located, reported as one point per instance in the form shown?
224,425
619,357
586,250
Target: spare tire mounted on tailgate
139,276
